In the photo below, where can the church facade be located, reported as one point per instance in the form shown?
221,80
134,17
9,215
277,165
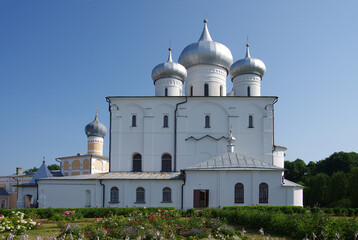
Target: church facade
192,145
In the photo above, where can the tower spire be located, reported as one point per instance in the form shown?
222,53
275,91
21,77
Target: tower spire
205,35
247,51
170,55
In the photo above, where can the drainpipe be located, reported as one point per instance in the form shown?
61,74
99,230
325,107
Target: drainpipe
110,132
175,132
58,160
37,193
17,190
103,193
182,189
273,123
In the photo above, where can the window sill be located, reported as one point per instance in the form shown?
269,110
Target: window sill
139,202
166,202
250,127
113,202
239,202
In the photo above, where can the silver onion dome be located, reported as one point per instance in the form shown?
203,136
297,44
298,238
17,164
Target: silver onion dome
206,51
169,69
248,65
95,128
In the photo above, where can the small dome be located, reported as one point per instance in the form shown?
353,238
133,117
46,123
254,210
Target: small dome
206,51
95,128
248,65
169,69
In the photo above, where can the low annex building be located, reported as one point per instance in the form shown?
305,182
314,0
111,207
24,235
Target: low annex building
193,144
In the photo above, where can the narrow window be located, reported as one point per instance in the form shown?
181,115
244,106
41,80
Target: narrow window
3,202
88,198
263,193
221,91
239,193
251,121
166,163
114,195
140,195
165,121
167,194
137,163
166,92
134,120
206,90
207,121
191,91
248,91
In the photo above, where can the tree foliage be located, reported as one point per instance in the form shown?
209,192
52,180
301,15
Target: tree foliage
332,182
51,167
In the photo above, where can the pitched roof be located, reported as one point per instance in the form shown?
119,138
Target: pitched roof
288,183
43,172
233,161
3,192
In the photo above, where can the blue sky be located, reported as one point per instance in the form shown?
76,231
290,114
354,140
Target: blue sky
60,59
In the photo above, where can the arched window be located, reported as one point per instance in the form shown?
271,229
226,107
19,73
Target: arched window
140,195
248,91
114,195
166,92
167,194
239,193
165,121
137,163
251,121
166,163
3,202
207,121
263,193
134,120
221,90
206,90
191,91
88,198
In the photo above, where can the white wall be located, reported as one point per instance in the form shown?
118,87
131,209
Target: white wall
151,140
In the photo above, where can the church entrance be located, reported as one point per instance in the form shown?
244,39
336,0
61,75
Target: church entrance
201,198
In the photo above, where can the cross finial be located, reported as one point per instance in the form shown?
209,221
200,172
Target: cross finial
43,159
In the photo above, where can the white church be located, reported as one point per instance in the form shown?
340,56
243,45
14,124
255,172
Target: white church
194,144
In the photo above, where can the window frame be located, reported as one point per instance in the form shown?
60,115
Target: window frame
206,90
207,121
263,192
251,121
134,120
239,193
140,195
165,121
166,92
114,195
248,91
137,157
166,162
166,195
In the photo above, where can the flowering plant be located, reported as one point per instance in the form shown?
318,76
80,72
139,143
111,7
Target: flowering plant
16,223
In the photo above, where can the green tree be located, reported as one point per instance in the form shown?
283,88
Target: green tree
295,171
53,167
317,190
337,188
340,161
353,187
31,170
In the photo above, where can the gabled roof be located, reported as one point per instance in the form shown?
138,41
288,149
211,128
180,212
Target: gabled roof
3,192
233,161
43,172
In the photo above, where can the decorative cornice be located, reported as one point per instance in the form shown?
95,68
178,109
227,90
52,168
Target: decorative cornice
198,139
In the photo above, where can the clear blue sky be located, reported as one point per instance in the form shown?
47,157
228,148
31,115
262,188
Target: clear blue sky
60,59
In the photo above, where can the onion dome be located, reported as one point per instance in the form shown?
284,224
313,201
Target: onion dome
95,128
248,65
169,69
206,51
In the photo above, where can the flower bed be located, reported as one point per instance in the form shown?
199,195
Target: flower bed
16,223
